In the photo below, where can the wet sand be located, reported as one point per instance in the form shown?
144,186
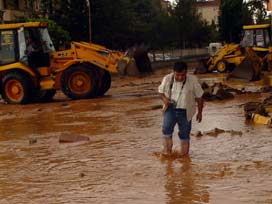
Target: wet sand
120,163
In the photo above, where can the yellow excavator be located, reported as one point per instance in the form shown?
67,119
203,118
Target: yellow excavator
247,59
32,70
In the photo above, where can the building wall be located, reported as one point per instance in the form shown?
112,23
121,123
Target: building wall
10,15
209,10
209,13
12,9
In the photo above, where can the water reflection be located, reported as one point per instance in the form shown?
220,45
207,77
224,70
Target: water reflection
183,184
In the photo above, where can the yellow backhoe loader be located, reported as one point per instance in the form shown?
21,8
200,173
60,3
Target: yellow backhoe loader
244,60
225,59
32,70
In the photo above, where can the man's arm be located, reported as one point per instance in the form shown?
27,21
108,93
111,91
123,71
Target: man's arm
164,99
200,104
162,91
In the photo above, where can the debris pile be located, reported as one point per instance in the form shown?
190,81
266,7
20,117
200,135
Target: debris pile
201,67
217,131
64,138
259,112
218,91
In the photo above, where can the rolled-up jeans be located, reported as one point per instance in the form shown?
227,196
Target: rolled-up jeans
173,116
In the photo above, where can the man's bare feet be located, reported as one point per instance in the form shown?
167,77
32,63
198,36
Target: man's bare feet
184,148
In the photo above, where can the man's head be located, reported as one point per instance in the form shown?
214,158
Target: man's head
180,70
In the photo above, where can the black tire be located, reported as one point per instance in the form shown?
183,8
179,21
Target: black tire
45,96
79,82
104,84
17,88
222,66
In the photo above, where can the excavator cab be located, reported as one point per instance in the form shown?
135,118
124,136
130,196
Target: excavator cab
258,37
35,46
18,43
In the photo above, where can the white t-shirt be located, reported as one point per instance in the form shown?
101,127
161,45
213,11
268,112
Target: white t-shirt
183,95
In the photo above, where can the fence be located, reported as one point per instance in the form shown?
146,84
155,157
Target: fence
169,55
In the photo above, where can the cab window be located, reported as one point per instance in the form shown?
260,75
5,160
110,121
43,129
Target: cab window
7,46
256,38
259,38
46,41
266,38
248,39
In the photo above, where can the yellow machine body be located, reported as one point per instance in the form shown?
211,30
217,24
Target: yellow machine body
247,59
82,71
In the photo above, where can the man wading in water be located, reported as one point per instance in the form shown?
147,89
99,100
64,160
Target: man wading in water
179,92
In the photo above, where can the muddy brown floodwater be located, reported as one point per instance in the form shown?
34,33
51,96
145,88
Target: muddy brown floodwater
120,162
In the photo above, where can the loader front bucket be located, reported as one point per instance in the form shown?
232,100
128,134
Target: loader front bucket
127,66
135,61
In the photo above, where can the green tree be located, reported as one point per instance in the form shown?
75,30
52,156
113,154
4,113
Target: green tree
134,23
247,15
163,32
46,8
141,20
73,16
110,23
230,20
191,30
59,35
123,23
184,13
257,10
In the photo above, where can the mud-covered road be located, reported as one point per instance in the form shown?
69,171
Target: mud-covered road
121,163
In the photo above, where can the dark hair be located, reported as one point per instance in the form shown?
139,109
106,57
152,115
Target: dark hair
180,66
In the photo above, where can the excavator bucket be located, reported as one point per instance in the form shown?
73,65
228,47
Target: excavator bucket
249,69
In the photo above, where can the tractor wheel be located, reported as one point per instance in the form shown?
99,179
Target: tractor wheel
17,88
222,66
45,96
79,82
104,83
